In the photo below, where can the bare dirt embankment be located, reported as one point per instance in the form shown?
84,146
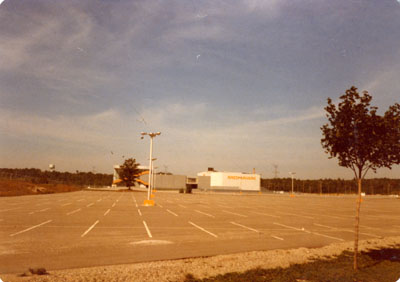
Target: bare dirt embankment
18,188
176,270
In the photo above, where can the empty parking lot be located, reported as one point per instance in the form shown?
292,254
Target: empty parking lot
90,228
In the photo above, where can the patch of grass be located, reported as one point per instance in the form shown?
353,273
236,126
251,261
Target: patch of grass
377,265
18,188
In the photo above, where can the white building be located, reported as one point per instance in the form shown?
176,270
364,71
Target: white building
216,180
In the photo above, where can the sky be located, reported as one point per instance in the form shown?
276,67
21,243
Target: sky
233,85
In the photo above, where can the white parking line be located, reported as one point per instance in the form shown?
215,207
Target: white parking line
245,227
327,236
30,228
182,206
140,213
347,230
89,205
276,237
238,214
266,214
80,200
207,214
74,211
202,229
9,209
46,209
159,205
326,226
106,212
307,231
295,214
113,205
290,227
90,228
147,229
367,227
99,200
171,212
67,204
363,233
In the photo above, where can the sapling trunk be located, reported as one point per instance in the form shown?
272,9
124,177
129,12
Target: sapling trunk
357,225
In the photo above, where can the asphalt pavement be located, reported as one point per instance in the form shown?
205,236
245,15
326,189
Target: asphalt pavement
91,228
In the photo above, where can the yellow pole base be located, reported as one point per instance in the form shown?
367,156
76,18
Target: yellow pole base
292,195
148,203
152,196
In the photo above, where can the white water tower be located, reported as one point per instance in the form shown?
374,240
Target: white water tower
52,167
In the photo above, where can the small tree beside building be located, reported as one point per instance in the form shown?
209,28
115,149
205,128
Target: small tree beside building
361,139
129,172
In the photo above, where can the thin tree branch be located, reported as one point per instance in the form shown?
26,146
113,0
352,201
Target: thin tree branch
368,167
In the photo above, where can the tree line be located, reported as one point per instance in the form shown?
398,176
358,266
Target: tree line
38,176
383,186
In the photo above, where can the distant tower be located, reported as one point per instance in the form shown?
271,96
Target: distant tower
52,167
276,172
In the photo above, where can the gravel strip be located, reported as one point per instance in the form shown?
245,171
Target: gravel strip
175,270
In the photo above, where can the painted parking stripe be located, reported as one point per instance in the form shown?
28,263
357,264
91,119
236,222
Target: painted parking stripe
245,227
74,211
106,212
327,236
89,205
30,228
171,212
202,229
67,204
182,206
347,230
90,228
46,209
276,237
238,214
140,213
99,200
326,226
295,214
204,213
160,205
307,231
80,200
266,214
9,209
147,229
113,205
362,233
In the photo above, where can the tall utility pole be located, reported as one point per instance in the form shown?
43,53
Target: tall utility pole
150,202
276,172
292,174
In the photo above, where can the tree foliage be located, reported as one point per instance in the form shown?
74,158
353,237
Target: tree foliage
129,171
359,137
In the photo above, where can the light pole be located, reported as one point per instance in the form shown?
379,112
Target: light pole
150,202
292,174
153,183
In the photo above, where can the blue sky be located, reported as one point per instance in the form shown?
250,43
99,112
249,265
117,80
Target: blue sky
230,84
